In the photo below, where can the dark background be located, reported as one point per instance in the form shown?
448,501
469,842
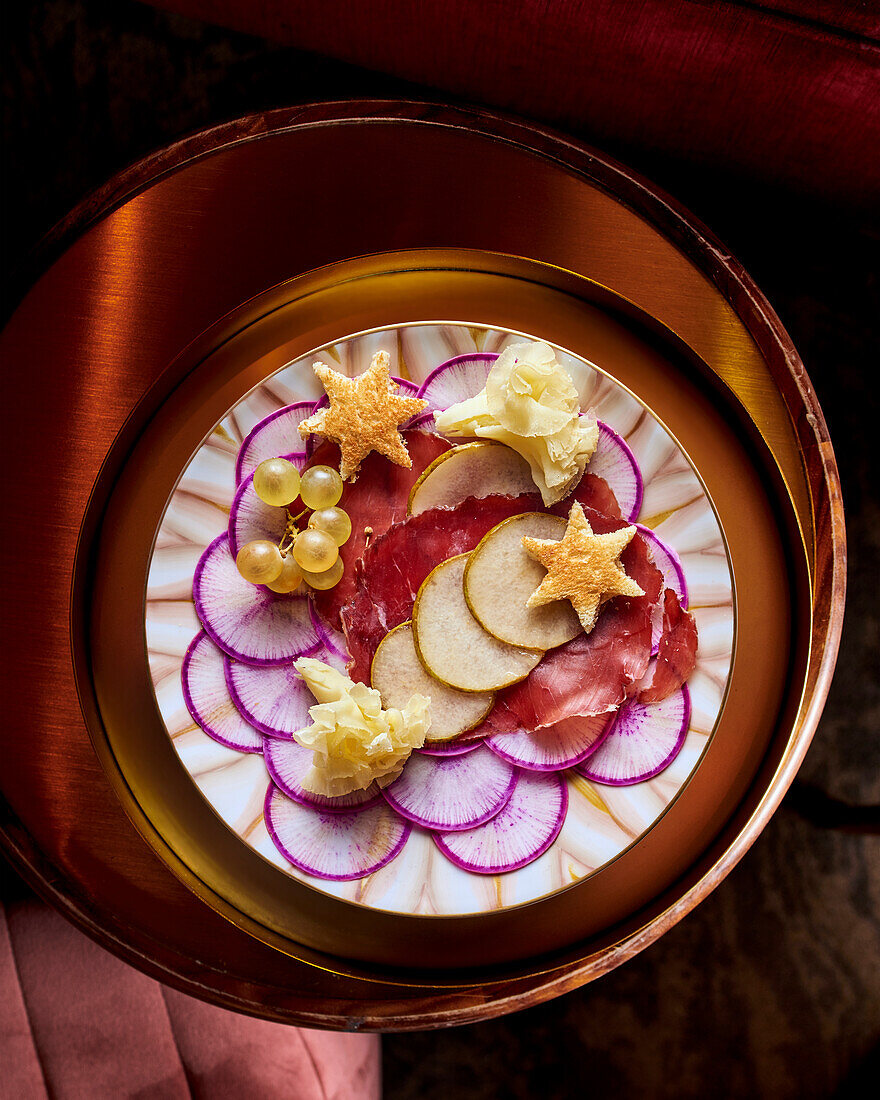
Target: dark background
771,988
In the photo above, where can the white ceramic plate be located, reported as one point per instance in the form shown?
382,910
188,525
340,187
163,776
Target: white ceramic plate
602,821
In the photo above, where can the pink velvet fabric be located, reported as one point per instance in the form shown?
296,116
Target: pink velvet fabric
78,1024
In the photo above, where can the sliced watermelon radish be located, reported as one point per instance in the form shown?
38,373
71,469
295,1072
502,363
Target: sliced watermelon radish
331,638
615,462
424,420
245,620
669,564
335,846
523,830
274,698
250,518
288,763
208,701
548,750
644,739
275,436
452,792
452,748
457,379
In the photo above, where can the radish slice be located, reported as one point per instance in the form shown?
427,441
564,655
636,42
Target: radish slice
644,739
288,763
335,846
615,462
453,748
453,792
208,701
245,620
250,518
424,420
556,747
457,379
404,387
276,436
521,832
331,638
669,564
274,698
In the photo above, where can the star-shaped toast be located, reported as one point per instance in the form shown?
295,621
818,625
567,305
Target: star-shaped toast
582,567
364,415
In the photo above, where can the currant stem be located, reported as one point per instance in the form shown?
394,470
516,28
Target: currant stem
290,531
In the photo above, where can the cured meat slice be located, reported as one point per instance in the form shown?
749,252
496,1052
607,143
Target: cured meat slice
394,567
593,673
364,631
593,492
676,652
376,500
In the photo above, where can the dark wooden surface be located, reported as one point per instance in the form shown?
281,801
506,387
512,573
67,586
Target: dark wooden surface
772,987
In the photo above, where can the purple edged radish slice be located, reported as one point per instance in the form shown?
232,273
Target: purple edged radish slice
644,739
208,701
288,763
335,846
245,620
274,698
559,746
331,638
424,420
452,792
276,436
615,462
523,830
451,748
251,518
457,379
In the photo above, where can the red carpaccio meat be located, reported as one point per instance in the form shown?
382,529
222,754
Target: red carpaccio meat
376,499
395,565
676,652
593,492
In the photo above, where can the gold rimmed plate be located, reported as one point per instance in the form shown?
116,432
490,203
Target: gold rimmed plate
584,888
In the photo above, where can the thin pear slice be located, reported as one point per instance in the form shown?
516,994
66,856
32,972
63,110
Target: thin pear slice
470,470
500,577
452,645
397,673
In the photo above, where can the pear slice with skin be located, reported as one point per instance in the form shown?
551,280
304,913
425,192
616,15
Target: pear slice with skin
500,576
452,645
397,674
472,469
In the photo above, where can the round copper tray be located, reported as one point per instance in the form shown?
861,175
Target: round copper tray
113,335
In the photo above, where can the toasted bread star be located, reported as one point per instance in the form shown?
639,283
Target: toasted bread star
582,567
364,415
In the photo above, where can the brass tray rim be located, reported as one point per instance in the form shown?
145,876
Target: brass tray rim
676,225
